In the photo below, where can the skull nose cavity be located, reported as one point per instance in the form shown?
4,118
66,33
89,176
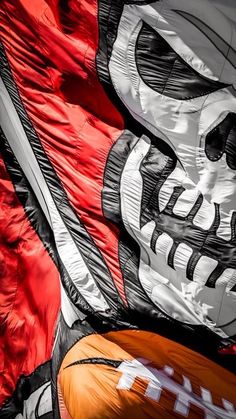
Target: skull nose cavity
222,139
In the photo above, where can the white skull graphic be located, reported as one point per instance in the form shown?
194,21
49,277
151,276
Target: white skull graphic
184,94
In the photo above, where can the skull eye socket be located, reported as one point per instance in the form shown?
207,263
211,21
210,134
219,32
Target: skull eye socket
164,71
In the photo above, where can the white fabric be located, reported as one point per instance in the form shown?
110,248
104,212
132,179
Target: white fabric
41,398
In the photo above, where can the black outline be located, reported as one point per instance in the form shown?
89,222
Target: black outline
96,361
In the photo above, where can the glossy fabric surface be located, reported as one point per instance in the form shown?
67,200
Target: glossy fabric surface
118,208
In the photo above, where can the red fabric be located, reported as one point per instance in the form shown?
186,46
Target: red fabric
52,57
228,350
29,293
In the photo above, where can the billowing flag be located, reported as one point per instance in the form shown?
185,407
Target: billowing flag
118,209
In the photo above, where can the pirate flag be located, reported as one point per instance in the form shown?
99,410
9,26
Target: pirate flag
117,209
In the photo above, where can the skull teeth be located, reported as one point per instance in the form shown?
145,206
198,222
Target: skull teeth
179,231
202,266
185,202
175,179
203,269
176,228
205,215
163,245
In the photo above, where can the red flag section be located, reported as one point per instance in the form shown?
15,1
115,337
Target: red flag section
53,64
56,78
29,290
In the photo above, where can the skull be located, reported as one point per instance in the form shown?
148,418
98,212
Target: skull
173,66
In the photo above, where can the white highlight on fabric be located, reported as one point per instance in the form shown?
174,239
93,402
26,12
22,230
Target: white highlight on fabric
173,302
163,245
147,232
205,215
68,251
186,202
45,405
181,258
204,267
70,313
227,279
224,230
168,370
131,187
